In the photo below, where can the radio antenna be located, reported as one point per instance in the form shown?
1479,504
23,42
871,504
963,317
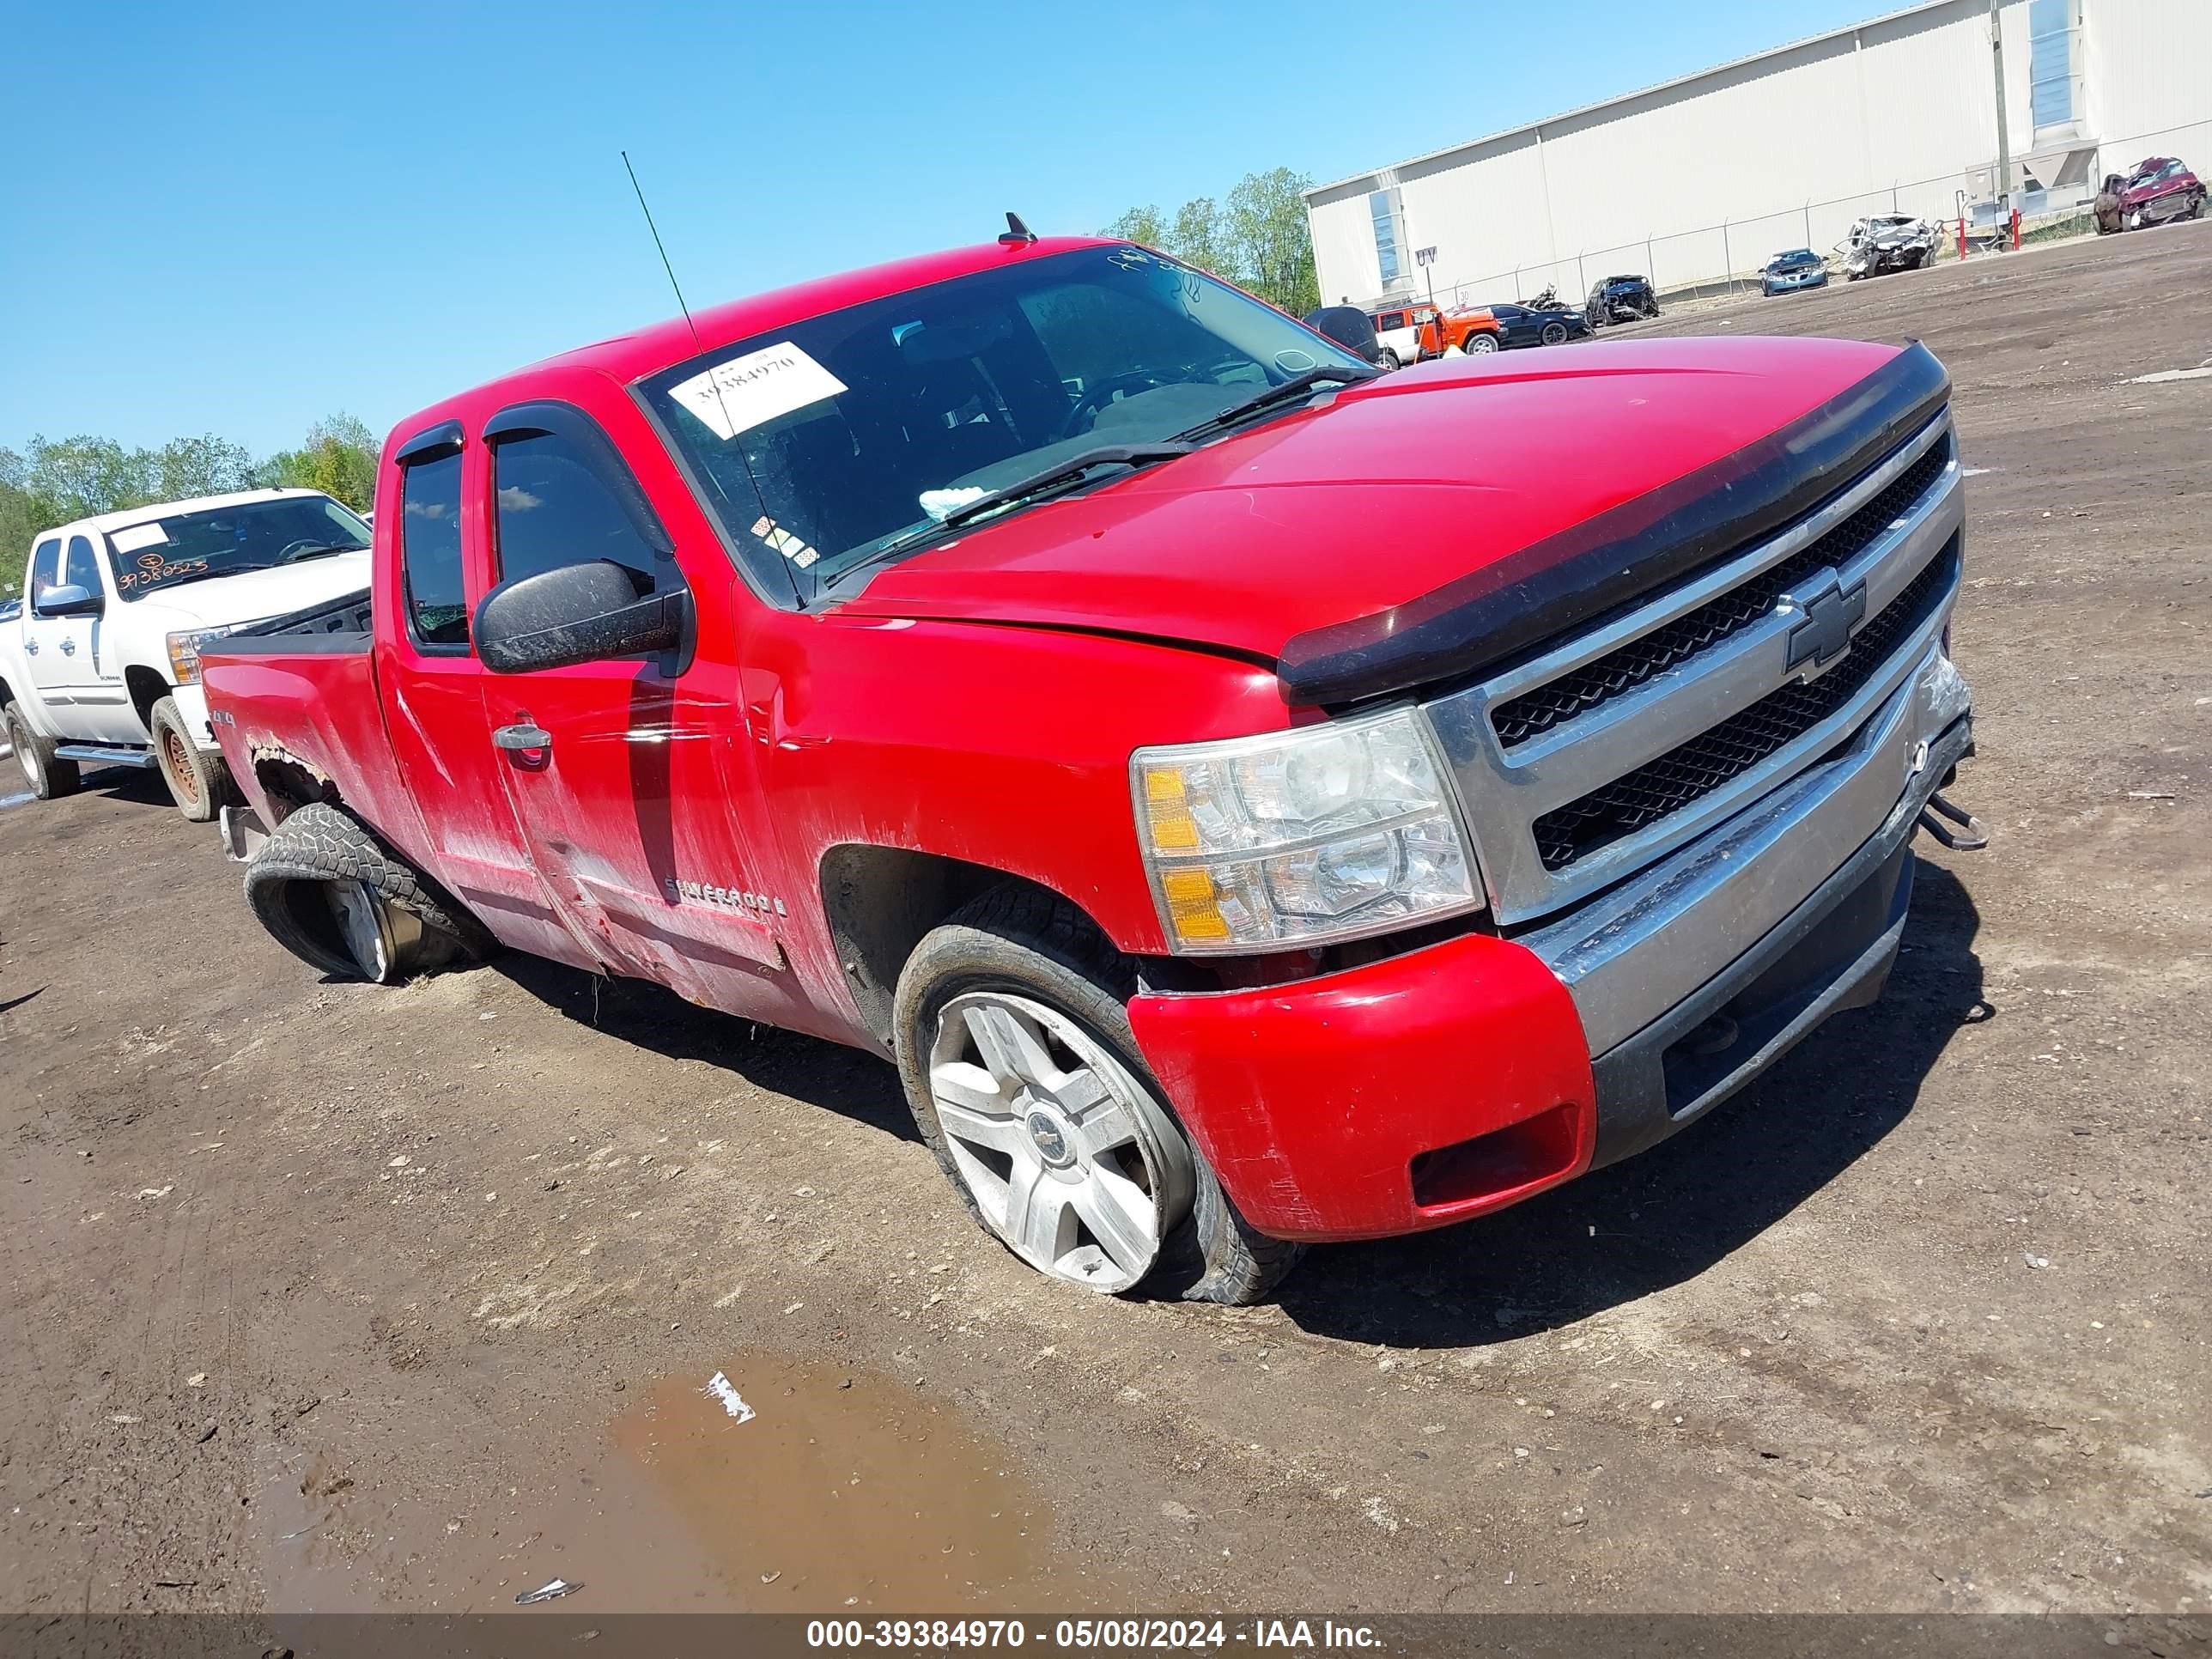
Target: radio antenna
713,377
662,250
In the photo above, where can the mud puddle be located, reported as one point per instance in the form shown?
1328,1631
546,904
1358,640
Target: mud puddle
797,1485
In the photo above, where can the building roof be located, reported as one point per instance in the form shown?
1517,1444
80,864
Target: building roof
1583,110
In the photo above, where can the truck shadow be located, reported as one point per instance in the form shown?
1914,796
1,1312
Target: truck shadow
826,1074
1674,1212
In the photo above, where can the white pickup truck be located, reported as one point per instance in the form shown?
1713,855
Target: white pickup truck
100,666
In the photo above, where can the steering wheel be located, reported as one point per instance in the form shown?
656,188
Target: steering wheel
299,549
1092,399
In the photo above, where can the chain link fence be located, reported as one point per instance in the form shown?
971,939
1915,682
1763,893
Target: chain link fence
1724,258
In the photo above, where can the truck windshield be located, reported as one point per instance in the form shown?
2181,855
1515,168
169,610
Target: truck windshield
222,541
818,446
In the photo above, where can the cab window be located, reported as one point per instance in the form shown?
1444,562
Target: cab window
45,568
83,568
553,509
430,552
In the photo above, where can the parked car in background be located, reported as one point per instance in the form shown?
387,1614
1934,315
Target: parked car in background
1788,273
1885,242
1620,300
2160,189
1472,329
1348,327
1249,802
1398,333
101,664
1521,325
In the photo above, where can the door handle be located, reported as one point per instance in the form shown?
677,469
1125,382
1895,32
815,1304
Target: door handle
30,647
68,647
522,737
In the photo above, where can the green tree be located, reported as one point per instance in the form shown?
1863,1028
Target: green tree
1258,238
1196,238
338,458
1270,239
206,465
1142,224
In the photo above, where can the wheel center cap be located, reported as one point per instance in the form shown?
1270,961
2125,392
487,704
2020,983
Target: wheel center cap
1050,1139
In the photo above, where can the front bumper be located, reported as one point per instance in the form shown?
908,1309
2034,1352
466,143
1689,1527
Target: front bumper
1464,1077
1799,279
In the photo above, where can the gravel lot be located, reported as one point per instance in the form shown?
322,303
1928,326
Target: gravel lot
327,1296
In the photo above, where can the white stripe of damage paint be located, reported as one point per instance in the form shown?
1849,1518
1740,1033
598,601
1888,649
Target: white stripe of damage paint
733,1402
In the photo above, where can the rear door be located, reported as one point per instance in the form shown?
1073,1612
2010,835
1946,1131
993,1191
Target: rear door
433,700
625,775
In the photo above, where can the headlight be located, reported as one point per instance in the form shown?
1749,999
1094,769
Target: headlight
185,651
1333,832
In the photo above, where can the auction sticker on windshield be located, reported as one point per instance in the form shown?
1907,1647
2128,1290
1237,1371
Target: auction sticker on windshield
138,536
753,390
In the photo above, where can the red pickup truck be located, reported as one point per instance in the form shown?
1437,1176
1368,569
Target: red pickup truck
1251,799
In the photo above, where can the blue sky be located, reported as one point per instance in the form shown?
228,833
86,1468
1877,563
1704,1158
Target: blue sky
236,219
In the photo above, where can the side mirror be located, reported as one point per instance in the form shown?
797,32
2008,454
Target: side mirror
579,613
70,599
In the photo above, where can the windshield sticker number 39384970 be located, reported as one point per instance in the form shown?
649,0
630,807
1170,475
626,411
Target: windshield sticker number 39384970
751,390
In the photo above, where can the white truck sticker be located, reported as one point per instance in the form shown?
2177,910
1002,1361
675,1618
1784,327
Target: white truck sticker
138,536
753,390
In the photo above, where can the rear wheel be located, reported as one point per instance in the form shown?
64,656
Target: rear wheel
198,781
1013,1042
332,894
1388,358
48,777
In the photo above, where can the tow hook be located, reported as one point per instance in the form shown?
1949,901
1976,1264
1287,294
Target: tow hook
1969,837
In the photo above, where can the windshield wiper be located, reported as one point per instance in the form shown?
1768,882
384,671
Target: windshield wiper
1296,387
1046,482
323,552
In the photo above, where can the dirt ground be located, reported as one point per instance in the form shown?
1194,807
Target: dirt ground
320,1296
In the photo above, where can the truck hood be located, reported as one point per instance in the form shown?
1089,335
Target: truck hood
1388,492
255,595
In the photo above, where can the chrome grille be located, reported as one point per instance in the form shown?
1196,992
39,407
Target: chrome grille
1677,641
1614,747
1741,741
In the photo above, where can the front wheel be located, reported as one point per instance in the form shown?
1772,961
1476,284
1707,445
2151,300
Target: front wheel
1482,343
199,782
48,777
1555,334
332,895
1013,1042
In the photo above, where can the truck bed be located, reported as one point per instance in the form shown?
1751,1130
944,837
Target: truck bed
296,709
337,627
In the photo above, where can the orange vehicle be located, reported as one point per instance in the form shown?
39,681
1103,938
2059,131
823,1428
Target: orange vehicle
1411,333
1471,329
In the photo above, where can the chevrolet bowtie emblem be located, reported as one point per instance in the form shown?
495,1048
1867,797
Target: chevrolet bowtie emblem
1823,634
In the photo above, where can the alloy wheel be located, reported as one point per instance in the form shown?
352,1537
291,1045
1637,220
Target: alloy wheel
1068,1158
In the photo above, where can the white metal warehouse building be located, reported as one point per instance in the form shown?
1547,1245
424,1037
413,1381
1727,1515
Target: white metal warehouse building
1714,174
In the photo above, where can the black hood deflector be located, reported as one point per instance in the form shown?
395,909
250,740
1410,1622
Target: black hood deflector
1565,581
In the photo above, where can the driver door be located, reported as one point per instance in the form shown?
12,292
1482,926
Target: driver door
625,775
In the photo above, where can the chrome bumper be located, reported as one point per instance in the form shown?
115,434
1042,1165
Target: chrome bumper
1638,952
